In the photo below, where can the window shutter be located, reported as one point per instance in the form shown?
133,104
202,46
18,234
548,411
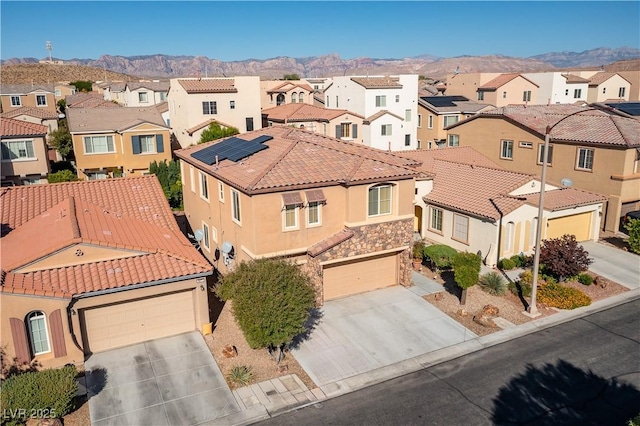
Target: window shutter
338,131
57,334
135,140
354,131
6,154
159,143
20,345
110,144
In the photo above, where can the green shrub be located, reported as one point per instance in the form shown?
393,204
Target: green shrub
62,176
548,279
633,229
50,391
493,283
520,287
585,279
418,250
506,264
466,269
520,260
240,375
440,255
562,297
634,421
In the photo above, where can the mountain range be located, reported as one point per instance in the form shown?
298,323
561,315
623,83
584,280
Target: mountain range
166,66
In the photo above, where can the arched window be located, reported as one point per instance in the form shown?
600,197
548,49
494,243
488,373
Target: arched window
279,99
380,199
38,335
301,97
534,230
294,96
508,237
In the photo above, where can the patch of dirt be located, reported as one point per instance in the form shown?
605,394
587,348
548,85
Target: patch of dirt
263,366
80,416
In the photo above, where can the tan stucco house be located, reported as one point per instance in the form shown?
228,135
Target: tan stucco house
596,150
13,96
508,89
24,152
341,209
120,141
113,270
604,86
277,92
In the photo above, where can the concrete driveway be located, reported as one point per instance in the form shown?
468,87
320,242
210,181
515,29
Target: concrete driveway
615,264
362,333
170,381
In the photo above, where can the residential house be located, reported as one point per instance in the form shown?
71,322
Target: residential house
435,113
24,153
337,123
388,103
194,103
318,83
559,88
633,77
595,150
606,86
14,96
467,84
89,100
113,270
145,93
277,92
110,142
45,117
342,210
61,91
114,91
508,89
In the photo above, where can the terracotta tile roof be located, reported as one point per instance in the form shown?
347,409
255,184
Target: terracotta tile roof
21,89
565,198
378,82
501,80
574,79
41,113
289,85
156,86
84,120
210,85
89,100
152,250
458,154
297,159
204,124
586,125
379,114
11,127
304,112
330,242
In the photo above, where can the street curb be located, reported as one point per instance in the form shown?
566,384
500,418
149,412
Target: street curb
411,365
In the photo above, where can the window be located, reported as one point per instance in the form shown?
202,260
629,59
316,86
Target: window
291,216
163,96
508,237
526,96
301,97
480,95
385,130
604,90
294,96
507,150
192,179
313,213
419,120
221,191
58,92
549,154
449,120
147,144
96,175
380,200
214,234
407,140
419,143
31,181
345,130
397,98
577,93
337,102
454,140
249,123
15,101
585,159
41,100
205,237
532,232
143,97
524,144
430,122
407,115
209,107
38,333
621,92
460,228
435,224
204,189
235,205
504,95
232,104
98,144
381,100
14,150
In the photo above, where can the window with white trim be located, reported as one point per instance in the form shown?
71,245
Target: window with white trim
58,92
301,97
99,144
407,115
506,152
453,140
381,100
448,120
380,200
419,120
41,100
291,216
430,122
18,150
480,95
541,155
235,205
407,140
38,335
385,130
205,237
96,175
508,237
314,212
204,188
147,144
397,98
209,107
577,93
345,130
16,101
232,104
585,159
524,144
435,224
143,97
294,96
460,228
214,234
163,96
621,92
526,96
221,191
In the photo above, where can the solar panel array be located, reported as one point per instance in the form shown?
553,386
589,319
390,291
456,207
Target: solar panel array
443,101
233,149
631,108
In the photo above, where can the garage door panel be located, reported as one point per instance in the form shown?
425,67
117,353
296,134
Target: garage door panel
577,224
358,276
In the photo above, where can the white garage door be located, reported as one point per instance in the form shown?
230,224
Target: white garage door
358,276
133,322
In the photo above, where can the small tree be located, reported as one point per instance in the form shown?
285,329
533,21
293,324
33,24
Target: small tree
216,131
82,85
61,140
440,255
563,257
169,176
466,271
272,301
62,176
291,77
633,227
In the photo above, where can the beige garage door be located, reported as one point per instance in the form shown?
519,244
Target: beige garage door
577,224
127,323
358,276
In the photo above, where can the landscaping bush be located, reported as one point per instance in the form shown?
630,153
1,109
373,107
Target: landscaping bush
240,375
585,279
466,271
493,283
563,257
523,285
506,264
418,250
562,297
48,392
62,176
633,229
440,255
520,260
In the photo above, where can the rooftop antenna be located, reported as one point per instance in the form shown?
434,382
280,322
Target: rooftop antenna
49,47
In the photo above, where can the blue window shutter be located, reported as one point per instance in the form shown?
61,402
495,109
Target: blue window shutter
338,131
354,131
159,143
135,140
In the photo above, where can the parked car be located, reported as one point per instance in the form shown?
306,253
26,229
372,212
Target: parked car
631,215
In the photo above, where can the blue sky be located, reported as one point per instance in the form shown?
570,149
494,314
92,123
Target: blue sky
241,29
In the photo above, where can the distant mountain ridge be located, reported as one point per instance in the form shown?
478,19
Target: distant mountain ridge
166,66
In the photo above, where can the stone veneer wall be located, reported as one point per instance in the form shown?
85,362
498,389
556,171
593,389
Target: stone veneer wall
368,239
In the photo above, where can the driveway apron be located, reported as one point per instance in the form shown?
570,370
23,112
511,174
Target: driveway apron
615,264
169,381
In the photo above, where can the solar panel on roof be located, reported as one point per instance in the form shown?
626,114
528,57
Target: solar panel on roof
247,151
631,108
262,139
234,149
443,101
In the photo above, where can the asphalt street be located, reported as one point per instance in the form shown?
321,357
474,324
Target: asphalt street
585,371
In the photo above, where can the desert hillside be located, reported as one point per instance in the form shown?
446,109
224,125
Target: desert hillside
48,73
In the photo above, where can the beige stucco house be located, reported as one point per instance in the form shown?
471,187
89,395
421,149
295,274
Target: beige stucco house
110,142
145,93
13,96
507,89
605,86
113,270
596,150
24,152
277,92
342,210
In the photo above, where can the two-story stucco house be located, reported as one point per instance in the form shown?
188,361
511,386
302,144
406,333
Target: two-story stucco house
276,92
110,142
342,210
559,88
14,96
607,86
194,103
388,103
508,89
145,93
24,152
